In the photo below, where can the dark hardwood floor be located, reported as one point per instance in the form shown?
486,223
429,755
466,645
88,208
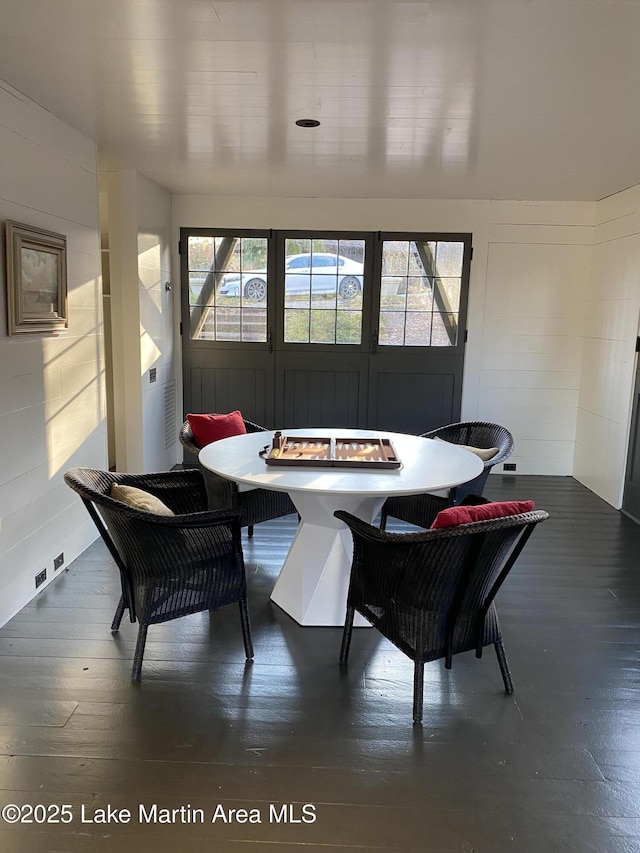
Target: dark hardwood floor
553,768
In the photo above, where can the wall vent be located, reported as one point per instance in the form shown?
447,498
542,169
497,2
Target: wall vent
170,433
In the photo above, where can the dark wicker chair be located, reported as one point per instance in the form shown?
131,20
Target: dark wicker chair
432,593
170,566
256,505
422,509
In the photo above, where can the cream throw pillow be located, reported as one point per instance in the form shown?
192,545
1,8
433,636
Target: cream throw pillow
485,453
139,499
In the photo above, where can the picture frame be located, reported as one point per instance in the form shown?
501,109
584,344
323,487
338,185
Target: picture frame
36,279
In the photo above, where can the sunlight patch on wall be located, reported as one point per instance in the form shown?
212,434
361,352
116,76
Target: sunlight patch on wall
149,259
151,298
74,382
149,352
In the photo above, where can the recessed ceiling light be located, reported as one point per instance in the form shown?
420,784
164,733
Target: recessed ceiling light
307,122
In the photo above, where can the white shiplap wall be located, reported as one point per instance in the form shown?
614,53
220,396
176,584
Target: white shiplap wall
157,328
533,321
612,300
142,313
51,385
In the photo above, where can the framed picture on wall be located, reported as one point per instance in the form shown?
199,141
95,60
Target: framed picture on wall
36,279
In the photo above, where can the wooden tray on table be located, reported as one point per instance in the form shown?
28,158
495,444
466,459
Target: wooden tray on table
324,452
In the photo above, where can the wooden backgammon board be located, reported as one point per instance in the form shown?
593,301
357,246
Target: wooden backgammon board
308,451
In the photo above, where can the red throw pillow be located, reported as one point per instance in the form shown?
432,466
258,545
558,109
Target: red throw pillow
208,428
454,515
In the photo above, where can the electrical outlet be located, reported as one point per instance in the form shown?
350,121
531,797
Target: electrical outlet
509,466
59,560
41,578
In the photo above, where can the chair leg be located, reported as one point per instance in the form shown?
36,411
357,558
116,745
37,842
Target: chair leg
139,653
246,629
383,519
418,690
117,618
250,531
346,634
504,667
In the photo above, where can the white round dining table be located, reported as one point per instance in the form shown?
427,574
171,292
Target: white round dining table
313,582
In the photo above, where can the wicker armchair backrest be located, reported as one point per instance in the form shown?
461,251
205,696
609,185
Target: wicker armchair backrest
186,436
478,434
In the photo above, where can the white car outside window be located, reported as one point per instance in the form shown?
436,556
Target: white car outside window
318,272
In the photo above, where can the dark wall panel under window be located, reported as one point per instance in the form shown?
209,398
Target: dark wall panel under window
223,389
321,398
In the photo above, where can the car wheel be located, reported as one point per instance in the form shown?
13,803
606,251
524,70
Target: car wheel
349,287
255,289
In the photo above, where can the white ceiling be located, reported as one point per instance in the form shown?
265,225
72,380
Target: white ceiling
534,99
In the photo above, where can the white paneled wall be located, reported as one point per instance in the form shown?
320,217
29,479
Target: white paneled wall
612,301
51,385
533,326
156,324
142,313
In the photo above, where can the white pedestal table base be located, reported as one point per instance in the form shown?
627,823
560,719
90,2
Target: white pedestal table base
314,580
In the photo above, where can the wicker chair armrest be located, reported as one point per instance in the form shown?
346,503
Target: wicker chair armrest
251,427
186,439
374,534
505,448
200,518
221,492
208,518
501,456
